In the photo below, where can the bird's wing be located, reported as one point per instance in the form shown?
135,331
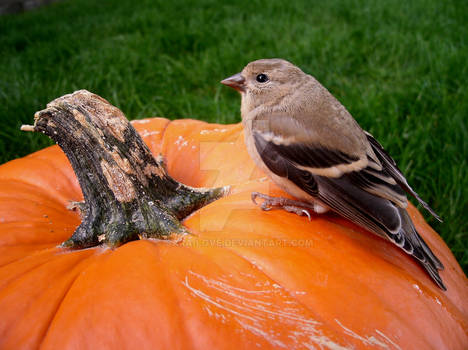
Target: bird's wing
343,194
353,156
366,193
392,169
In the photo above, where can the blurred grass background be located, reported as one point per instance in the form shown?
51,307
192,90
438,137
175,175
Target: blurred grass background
399,67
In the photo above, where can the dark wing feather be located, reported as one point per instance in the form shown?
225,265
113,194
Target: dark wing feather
314,156
390,167
283,167
350,197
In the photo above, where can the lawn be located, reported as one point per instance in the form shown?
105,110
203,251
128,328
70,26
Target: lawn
399,67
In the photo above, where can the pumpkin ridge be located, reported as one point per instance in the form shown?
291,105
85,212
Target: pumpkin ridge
37,190
23,255
38,223
25,272
33,221
71,180
183,328
54,313
39,156
163,134
34,255
78,270
19,260
69,264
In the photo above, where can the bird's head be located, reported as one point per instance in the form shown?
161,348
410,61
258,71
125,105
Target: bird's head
266,81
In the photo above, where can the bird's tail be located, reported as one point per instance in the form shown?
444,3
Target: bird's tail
415,246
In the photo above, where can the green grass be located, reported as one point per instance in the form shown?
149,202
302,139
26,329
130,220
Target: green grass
399,67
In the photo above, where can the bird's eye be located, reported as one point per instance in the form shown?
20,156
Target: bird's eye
262,78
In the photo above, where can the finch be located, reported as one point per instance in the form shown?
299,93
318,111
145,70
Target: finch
309,144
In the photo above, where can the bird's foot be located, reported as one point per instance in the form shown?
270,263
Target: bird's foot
290,205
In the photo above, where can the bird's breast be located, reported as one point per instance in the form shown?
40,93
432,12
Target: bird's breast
282,182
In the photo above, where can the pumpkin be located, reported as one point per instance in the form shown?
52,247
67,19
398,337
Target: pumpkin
243,278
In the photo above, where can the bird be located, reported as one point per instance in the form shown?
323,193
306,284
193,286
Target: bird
307,142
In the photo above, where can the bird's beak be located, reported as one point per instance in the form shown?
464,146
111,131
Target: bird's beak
237,81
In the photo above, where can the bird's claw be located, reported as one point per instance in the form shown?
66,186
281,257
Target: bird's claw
291,206
268,202
307,214
265,206
254,196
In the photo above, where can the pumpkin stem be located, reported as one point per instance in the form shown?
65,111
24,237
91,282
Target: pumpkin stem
128,193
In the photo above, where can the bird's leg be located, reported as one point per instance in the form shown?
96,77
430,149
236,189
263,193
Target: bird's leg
290,205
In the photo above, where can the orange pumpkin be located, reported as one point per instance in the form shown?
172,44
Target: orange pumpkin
244,278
